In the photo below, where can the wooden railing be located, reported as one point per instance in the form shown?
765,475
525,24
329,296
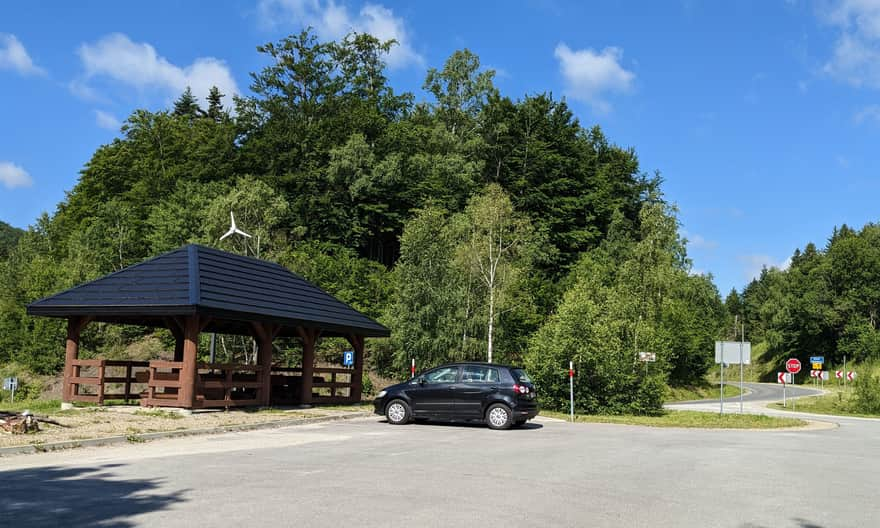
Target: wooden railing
286,384
228,385
216,384
163,386
99,381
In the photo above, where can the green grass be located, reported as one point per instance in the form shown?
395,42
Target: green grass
688,419
35,406
835,402
702,392
171,415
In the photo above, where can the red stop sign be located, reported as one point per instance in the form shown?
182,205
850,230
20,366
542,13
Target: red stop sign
793,365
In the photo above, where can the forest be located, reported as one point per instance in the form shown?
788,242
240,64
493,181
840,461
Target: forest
476,225
826,303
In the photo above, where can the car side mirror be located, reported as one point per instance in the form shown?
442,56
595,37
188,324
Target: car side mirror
421,381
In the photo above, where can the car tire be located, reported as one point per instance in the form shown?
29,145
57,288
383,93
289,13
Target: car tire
398,412
499,416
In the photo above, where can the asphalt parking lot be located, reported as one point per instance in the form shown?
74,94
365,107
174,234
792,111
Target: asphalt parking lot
368,473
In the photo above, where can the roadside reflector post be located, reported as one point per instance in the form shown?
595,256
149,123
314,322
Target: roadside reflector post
412,368
571,386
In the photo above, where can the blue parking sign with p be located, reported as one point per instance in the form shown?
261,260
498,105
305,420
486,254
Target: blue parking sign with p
348,358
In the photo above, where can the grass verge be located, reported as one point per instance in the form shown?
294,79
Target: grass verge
836,402
708,391
689,419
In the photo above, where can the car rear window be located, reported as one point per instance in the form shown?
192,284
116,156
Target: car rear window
520,376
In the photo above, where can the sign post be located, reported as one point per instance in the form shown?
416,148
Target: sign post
731,353
11,384
571,386
793,366
784,378
647,357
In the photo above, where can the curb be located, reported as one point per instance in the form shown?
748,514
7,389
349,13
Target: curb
145,437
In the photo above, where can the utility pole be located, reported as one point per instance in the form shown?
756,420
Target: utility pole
742,341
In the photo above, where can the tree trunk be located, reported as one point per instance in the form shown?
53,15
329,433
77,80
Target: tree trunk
491,318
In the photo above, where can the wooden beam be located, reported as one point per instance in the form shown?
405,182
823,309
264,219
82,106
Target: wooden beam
186,395
265,334
75,326
357,376
176,328
309,337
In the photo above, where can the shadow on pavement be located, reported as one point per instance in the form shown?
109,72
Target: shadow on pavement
80,496
802,523
528,426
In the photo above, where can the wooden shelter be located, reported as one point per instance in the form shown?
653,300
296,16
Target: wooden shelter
197,289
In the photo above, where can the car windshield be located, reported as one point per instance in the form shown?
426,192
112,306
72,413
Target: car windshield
520,376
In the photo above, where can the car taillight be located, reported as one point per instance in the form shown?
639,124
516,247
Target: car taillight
522,389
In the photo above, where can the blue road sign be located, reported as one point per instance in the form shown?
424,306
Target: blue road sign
348,358
817,359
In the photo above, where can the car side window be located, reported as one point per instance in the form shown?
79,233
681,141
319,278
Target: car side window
478,374
442,375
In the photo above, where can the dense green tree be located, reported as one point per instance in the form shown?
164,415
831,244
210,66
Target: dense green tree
8,238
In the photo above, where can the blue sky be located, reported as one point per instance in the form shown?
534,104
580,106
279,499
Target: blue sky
763,118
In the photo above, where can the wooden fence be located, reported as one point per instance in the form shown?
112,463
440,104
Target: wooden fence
286,383
217,384
105,373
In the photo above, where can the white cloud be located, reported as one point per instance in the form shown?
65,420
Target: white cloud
116,57
856,55
699,242
14,56
107,120
590,75
754,264
12,176
869,113
333,21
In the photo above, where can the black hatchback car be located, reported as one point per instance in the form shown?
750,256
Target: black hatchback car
498,395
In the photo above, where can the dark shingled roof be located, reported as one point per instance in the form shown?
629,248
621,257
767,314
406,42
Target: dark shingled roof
233,290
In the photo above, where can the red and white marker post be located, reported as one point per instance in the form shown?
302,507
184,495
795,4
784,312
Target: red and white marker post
571,386
412,368
785,379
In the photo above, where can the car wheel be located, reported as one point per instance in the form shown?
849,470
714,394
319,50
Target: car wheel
397,412
499,416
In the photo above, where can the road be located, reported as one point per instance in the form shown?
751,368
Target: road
761,393
367,473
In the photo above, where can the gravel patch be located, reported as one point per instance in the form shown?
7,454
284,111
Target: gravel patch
98,422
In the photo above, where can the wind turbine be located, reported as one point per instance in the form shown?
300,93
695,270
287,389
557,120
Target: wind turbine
233,229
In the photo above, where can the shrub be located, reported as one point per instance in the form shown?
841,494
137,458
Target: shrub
866,398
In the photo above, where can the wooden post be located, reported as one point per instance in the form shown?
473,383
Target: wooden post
71,353
177,330
309,337
186,395
127,382
265,334
357,376
101,382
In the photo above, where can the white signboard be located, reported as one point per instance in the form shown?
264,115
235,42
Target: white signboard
730,352
647,356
